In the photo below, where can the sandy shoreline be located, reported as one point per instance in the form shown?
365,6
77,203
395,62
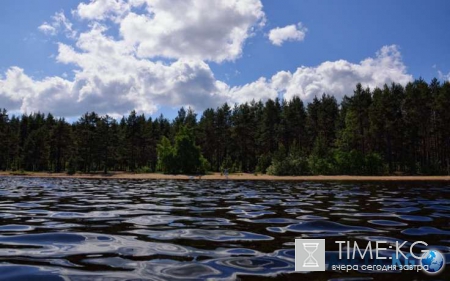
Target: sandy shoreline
240,176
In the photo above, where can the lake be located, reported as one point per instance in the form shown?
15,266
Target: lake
77,229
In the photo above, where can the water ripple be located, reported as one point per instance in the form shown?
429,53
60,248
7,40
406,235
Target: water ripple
74,229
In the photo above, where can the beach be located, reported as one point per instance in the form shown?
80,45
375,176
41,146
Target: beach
218,176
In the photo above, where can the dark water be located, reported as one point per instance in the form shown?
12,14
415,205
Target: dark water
73,229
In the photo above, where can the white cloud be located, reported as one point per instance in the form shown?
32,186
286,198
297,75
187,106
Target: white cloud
110,79
19,91
281,80
14,87
339,78
213,30
261,89
59,23
443,76
102,9
288,33
47,29
116,75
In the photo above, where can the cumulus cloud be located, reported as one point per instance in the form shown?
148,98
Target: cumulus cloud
111,80
115,75
59,23
102,9
18,91
261,89
47,29
288,33
337,78
213,30
443,76
14,87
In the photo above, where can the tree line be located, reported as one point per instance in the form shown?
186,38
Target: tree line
388,130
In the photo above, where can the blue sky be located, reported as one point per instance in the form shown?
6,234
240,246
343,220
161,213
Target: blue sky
348,30
353,30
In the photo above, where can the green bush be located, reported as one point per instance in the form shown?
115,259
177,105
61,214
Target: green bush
183,157
348,163
144,170
375,165
288,164
355,163
321,166
204,166
320,161
264,161
166,158
227,164
71,167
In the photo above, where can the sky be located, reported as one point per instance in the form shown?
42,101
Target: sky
154,56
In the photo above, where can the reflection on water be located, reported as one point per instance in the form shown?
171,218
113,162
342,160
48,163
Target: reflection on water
73,229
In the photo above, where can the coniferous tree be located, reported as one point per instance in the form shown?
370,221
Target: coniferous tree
392,129
4,139
166,156
207,136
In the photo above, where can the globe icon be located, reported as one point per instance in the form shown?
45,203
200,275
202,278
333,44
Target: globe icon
433,262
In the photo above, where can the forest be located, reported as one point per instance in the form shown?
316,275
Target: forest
382,131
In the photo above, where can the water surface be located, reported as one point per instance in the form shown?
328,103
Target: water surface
76,229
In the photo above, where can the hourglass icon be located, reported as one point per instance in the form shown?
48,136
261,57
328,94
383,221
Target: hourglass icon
310,260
